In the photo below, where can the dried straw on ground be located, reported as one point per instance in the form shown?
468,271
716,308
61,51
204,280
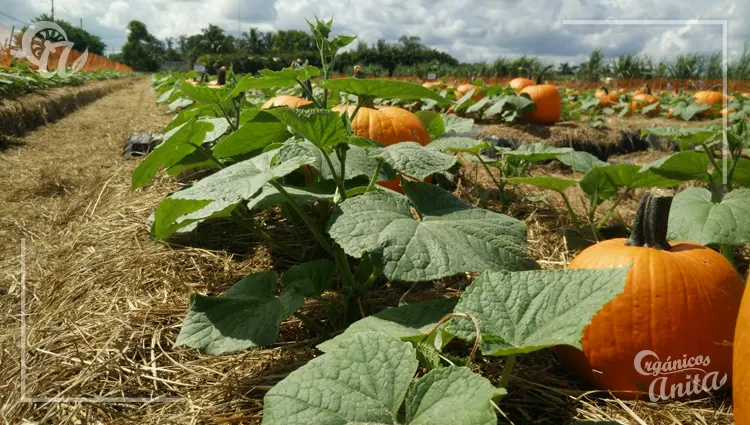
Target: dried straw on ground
36,109
105,302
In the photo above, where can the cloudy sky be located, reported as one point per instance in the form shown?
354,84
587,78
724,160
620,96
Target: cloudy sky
472,30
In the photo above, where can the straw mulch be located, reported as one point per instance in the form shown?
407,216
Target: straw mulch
28,112
105,302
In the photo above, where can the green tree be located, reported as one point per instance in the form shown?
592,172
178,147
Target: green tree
81,38
142,51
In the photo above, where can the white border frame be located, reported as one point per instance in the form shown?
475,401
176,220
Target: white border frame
94,400
724,60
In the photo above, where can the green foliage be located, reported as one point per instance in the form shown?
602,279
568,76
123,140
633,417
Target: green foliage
142,51
82,40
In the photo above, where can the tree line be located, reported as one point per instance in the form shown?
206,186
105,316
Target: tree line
256,50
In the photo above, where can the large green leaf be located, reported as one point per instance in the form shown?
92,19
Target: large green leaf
263,130
204,94
408,322
685,135
269,196
249,314
287,77
741,174
449,237
545,182
536,152
433,122
605,181
527,311
218,194
452,395
693,217
459,144
414,160
363,381
455,124
322,127
178,143
359,163
580,161
385,89
681,166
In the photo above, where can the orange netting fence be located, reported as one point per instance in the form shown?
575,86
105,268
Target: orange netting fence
94,62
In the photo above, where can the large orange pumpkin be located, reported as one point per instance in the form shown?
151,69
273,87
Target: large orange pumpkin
709,97
741,383
520,83
548,101
285,100
387,125
680,301
644,99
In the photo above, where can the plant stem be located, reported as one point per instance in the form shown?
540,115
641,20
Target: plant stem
311,324
500,187
336,177
611,211
310,94
573,215
728,252
341,155
510,361
303,215
234,126
246,223
207,154
374,178
361,101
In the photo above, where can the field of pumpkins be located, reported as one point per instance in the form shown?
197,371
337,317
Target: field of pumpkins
366,251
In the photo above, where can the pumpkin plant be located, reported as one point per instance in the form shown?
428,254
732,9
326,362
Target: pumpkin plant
646,102
673,289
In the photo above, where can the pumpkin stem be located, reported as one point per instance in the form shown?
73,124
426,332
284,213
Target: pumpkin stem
541,74
714,87
651,222
604,89
360,74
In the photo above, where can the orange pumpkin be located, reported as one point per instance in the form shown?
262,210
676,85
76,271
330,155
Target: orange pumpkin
465,88
387,125
681,300
645,99
520,83
285,100
741,383
429,84
709,97
548,101
606,99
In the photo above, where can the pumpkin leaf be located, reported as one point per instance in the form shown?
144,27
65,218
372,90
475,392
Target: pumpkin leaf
178,143
269,197
449,237
681,166
741,174
693,217
287,77
479,105
218,194
249,313
384,369
686,136
384,89
580,161
408,322
414,160
545,182
359,163
460,144
203,94
433,122
452,395
525,311
374,395
255,134
322,127
456,124
536,152
604,182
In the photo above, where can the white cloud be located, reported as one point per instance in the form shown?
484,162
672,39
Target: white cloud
473,30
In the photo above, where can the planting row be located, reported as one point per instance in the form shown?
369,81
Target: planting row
370,183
